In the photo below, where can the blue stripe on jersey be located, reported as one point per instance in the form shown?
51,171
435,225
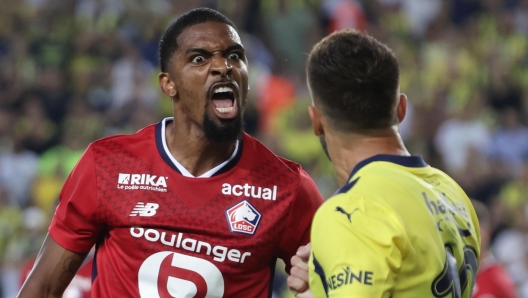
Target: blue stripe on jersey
159,145
271,283
347,187
406,161
232,163
95,272
319,270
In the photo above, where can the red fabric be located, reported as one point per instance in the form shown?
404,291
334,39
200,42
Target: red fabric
188,242
494,282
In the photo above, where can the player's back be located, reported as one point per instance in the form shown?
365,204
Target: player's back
399,228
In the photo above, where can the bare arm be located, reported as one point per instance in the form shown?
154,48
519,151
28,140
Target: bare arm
53,271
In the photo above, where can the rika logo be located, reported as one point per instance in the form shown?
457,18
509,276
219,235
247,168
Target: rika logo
142,181
142,209
243,218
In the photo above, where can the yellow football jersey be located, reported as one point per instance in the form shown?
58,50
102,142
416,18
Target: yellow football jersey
398,228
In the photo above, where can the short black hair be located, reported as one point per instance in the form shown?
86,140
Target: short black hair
355,78
168,42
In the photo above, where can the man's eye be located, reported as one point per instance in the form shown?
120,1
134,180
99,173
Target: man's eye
234,56
198,59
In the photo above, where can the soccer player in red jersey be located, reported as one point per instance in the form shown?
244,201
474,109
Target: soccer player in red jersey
493,281
188,207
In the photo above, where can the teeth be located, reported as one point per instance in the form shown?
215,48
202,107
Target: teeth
223,89
225,110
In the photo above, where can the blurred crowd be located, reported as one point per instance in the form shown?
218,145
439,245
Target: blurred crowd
73,71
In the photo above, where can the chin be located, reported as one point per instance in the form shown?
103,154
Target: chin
223,130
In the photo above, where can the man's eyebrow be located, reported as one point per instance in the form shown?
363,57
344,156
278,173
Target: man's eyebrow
199,51
234,47
207,53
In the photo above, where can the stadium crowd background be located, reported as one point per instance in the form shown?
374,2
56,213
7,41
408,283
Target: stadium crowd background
72,71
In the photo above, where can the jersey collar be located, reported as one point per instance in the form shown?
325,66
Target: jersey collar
412,161
163,149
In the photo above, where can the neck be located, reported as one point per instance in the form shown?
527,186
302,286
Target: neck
194,151
349,149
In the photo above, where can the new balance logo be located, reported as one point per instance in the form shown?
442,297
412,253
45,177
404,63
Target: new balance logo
142,209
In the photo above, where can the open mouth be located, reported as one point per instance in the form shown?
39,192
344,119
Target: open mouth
224,101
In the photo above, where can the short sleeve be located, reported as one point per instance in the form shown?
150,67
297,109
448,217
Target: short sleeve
357,248
74,225
297,233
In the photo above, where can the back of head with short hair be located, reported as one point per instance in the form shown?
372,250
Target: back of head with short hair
168,42
355,78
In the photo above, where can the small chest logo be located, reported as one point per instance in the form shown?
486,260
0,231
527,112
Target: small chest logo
142,182
142,209
243,218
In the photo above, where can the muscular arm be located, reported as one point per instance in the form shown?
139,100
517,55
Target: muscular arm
53,271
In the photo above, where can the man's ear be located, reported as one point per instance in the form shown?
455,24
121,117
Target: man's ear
316,117
167,85
402,107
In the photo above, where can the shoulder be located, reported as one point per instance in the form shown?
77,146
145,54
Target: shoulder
364,207
124,141
352,217
357,199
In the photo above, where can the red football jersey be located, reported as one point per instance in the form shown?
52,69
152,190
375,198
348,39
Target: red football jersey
162,234
493,281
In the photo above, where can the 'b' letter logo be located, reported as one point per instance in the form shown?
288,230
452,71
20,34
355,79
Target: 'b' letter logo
170,274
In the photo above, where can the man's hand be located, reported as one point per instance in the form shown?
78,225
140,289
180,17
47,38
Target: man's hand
298,281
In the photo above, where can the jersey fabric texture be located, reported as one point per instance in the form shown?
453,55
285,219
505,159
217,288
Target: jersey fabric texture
159,233
398,228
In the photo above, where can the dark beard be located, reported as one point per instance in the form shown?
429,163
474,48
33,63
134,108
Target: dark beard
229,131
325,146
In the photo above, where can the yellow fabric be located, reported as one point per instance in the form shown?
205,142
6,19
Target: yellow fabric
387,236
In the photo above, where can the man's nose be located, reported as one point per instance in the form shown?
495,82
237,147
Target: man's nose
220,66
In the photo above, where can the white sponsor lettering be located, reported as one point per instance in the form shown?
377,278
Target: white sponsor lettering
142,181
250,191
219,252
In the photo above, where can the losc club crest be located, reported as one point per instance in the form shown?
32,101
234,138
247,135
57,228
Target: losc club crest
243,218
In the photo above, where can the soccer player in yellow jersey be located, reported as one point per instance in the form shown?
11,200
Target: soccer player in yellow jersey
397,227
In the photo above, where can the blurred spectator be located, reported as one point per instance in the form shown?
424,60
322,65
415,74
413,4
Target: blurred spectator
492,279
293,28
521,17
33,126
131,79
509,141
510,209
18,168
29,236
81,126
456,136
54,92
344,14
